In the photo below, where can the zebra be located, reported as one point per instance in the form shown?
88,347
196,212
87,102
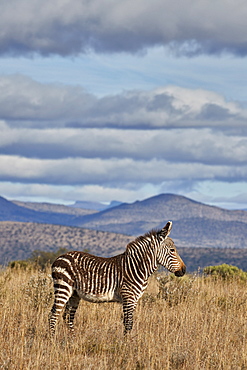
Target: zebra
122,278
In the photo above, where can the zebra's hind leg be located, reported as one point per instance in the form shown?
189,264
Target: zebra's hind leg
70,310
53,317
61,298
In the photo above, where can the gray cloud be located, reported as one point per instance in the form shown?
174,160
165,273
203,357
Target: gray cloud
51,105
72,27
38,102
112,172
183,146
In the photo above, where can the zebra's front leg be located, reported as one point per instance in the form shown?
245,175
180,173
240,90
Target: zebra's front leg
70,310
129,306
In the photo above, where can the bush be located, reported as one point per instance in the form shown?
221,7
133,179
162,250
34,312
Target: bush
226,272
176,290
39,291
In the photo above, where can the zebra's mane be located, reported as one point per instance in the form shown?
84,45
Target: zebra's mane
138,243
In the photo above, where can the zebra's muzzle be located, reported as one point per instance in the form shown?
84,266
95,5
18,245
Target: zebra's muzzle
180,272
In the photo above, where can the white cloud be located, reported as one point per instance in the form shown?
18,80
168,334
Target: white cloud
193,101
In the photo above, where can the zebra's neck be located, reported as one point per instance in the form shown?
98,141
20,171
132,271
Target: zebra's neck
142,256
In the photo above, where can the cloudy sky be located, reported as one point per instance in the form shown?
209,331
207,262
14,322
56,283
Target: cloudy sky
122,100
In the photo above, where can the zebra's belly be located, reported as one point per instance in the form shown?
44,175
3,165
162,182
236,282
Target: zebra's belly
100,297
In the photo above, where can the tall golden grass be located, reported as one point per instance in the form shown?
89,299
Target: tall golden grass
202,325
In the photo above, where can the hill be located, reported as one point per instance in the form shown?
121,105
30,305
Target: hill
97,206
49,208
39,212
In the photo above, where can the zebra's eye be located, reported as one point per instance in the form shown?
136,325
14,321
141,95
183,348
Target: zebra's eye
172,249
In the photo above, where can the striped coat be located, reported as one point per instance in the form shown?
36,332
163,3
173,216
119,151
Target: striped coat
123,278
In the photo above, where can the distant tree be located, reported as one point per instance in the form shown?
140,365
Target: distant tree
21,264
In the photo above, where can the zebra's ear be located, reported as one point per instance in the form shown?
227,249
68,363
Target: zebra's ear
166,230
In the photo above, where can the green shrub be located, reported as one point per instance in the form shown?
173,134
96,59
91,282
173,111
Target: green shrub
226,272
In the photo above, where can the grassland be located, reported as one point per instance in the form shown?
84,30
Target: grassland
191,323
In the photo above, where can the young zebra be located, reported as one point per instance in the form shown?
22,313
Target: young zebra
122,278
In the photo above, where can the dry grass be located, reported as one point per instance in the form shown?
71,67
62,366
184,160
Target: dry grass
202,326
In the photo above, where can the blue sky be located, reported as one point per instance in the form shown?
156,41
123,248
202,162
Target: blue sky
110,74
102,101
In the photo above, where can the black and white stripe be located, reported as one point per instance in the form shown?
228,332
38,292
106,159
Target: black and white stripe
123,278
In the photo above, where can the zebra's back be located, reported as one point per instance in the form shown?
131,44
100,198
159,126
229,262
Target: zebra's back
95,279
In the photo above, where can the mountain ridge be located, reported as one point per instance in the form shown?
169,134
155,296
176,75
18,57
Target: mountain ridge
194,224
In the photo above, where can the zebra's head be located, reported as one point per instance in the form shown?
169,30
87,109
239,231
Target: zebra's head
167,255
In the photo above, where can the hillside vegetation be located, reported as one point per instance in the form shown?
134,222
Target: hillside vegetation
198,258
19,239
192,323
